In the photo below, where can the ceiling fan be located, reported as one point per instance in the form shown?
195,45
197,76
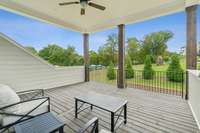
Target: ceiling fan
84,4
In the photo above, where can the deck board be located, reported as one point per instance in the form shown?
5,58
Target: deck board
148,112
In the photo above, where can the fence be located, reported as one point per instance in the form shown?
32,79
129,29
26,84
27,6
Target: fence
173,83
99,75
160,81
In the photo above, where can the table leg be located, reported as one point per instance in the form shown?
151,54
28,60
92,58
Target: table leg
76,108
61,130
125,113
91,107
97,127
112,122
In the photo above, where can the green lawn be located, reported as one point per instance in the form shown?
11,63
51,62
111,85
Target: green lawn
155,67
159,80
162,67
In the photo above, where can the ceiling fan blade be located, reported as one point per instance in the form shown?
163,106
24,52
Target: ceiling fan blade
68,3
82,11
96,6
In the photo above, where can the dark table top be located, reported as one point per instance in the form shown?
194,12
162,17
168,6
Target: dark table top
106,102
41,124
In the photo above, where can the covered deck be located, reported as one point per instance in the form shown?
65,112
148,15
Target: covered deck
147,111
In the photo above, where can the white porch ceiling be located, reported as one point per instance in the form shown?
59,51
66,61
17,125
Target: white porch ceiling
117,12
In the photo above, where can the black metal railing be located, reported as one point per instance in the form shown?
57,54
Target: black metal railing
100,75
173,83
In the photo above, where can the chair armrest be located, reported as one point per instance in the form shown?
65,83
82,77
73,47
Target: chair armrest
27,115
94,123
18,103
30,94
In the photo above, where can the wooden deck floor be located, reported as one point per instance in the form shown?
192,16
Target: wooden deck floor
147,112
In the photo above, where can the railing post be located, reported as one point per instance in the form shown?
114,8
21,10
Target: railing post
187,86
97,126
182,85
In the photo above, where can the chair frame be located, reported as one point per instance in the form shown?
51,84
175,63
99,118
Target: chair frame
94,124
24,117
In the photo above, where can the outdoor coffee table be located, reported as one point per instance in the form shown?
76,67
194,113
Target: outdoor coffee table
116,106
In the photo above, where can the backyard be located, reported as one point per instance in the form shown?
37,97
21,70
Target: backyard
158,83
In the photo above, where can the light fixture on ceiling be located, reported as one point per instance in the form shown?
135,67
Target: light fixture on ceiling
83,3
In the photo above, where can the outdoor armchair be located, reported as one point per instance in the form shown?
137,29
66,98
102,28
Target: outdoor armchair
93,126
29,104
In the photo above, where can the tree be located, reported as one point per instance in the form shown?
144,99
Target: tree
57,55
93,58
174,71
133,50
112,45
129,69
31,49
155,44
148,71
108,52
71,56
104,56
111,75
53,53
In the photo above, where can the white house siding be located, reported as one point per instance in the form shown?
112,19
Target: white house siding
194,94
24,71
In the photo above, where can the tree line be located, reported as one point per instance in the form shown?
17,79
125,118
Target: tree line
57,55
153,44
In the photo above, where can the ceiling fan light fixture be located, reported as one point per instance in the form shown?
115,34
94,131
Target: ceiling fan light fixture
84,4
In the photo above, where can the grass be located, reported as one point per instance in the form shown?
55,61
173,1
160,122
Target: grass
100,76
162,67
155,67
159,80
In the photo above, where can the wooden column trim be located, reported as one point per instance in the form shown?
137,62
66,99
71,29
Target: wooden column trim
121,56
191,48
86,56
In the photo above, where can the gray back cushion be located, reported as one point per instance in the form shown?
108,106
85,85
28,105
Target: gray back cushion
7,97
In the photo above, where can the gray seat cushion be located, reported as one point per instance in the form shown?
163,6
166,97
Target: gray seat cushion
26,108
8,96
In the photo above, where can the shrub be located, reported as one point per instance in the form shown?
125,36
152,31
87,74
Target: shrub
129,70
174,71
148,72
111,75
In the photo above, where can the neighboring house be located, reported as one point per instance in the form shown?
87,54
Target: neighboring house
182,50
198,49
